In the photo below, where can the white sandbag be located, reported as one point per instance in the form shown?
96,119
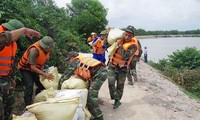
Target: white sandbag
55,109
51,83
64,106
44,95
114,34
72,93
112,48
25,116
74,82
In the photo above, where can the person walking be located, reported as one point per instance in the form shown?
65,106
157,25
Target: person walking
145,54
31,65
119,65
9,34
91,70
132,69
99,48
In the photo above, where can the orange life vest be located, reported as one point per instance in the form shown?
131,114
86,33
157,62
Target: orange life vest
1,29
98,48
83,68
7,56
135,40
116,58
42,58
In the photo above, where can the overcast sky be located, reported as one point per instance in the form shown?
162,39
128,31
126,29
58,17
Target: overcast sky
151,14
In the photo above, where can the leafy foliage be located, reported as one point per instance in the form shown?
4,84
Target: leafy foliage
183,68
68,30
188,58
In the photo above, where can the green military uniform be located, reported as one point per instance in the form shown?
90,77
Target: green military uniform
118,75
7,98
99,75
132,69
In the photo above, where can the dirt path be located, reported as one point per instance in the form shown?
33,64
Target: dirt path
151,98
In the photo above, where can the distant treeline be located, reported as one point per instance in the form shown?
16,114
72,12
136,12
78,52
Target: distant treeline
170,32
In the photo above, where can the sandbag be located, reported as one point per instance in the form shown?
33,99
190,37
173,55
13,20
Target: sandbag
114,34
44,95
72,93
67,104
74,82
51,83
55,109
112,48
25,116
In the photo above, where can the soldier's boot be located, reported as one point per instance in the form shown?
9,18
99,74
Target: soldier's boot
130,82
98,118
135,77
116,104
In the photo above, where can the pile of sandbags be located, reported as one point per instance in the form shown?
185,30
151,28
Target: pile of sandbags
69,104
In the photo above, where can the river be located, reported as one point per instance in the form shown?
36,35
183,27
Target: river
160,48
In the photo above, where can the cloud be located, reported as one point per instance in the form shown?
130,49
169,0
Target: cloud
152,14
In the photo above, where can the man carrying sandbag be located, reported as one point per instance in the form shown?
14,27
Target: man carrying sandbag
91,70
119,64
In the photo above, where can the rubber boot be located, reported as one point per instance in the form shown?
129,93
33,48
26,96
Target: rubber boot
116,104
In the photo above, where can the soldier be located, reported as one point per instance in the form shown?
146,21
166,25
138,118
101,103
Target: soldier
136,58
9,34
89,69
31,65
119,65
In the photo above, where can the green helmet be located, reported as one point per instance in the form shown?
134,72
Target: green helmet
72,54
13,24
130,29
46,42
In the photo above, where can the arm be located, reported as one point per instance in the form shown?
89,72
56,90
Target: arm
27,31
68,72
40,72
126,54
32,61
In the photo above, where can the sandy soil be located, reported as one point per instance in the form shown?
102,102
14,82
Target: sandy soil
152,97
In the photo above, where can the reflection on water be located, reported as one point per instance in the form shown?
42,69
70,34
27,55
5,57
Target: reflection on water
159,48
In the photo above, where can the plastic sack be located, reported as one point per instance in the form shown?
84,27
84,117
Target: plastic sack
66,105
51,83
55,109
44,95
74,82
25,116
112,48
114,34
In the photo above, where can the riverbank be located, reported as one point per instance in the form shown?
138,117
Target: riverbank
167,36
152,97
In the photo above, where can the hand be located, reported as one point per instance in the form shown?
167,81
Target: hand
49,76
30,33
119,41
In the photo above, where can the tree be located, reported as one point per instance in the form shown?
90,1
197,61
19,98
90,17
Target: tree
87,16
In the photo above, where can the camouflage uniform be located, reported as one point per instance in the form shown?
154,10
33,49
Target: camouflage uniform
117,75
99,75
132,69
7,98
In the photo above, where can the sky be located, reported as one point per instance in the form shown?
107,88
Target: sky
152,15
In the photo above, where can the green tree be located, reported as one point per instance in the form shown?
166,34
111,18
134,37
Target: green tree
87,16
